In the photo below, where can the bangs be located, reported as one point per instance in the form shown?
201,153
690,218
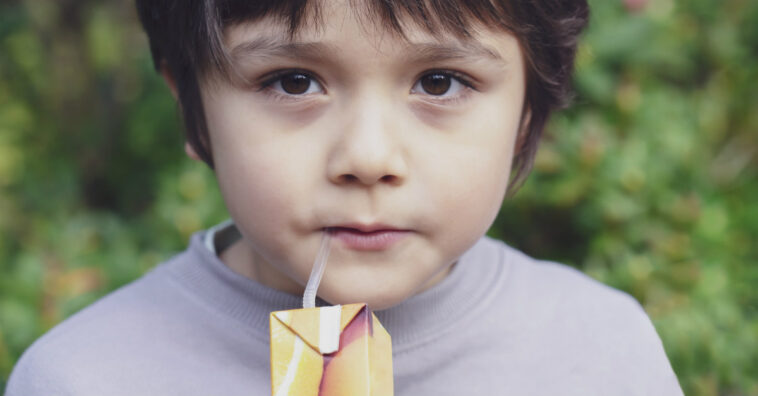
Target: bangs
455,17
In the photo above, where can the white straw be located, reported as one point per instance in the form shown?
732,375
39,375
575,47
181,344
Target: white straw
309,297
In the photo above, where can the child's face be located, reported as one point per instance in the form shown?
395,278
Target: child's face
350,126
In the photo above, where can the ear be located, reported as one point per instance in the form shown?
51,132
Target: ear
168,77
526,119
191,152
170,81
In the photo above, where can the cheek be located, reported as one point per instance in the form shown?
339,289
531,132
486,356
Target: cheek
471,180
265,196
249,189
474,192
267,177
262,177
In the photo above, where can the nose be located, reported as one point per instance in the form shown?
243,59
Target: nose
368,150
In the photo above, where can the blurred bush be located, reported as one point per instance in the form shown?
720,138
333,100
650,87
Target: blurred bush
647,183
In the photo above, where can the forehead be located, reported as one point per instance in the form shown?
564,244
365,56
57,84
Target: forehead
342,27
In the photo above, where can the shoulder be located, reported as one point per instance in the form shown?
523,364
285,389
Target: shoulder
86,351
550,284
548,291
587,325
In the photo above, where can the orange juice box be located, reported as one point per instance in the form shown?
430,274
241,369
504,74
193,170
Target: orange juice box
339,350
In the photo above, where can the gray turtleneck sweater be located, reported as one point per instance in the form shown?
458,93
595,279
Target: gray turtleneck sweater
501,323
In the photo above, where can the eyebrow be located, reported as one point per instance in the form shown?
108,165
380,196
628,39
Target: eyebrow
421,52
272,47
469,50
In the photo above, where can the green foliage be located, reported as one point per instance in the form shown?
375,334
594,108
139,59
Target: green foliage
647,183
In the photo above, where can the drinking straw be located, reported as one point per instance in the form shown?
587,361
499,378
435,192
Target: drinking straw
309,297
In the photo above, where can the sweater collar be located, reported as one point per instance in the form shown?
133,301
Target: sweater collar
468,288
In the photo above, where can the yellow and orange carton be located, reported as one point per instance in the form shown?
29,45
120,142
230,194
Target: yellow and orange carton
339,350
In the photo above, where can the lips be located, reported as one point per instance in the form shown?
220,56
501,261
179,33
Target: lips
367,237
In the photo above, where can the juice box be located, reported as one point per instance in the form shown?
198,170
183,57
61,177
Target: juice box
339,350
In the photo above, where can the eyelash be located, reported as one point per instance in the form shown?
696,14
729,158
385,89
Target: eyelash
269,80
463,79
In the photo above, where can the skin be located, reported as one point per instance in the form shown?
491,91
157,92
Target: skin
366,143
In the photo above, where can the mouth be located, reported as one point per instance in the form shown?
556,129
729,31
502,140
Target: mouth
367,237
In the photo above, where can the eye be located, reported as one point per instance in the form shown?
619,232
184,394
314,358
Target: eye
294,83
439,84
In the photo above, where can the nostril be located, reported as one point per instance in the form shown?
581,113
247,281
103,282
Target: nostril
350,178
388,178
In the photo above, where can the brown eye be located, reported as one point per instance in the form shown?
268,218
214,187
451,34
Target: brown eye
436,83
296,83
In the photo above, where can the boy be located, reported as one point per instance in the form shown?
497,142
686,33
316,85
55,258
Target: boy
394,126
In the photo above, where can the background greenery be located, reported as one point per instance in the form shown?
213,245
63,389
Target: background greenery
647,184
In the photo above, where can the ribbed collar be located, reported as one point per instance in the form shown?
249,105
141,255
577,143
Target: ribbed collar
469,287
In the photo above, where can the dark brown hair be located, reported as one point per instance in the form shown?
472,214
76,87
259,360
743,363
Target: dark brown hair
186,36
